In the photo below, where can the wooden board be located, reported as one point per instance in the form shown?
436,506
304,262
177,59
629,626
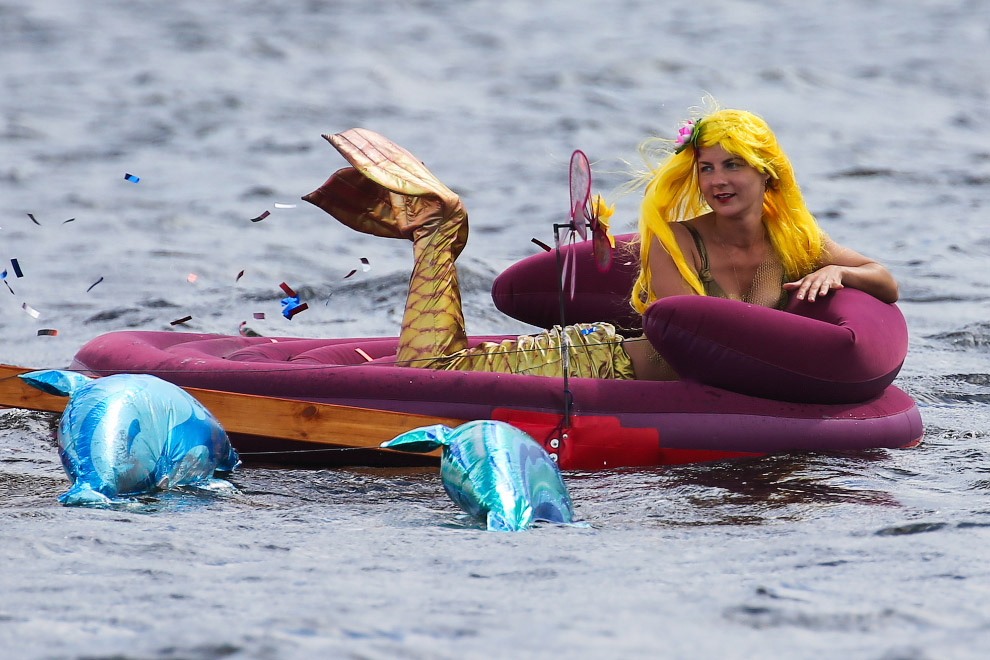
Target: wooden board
301,421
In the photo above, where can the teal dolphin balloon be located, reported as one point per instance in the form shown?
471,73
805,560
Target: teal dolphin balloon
495,472
131,433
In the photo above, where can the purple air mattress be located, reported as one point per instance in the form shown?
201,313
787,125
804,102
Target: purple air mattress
754,380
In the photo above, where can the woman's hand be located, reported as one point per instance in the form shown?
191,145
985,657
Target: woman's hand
870,277
818,283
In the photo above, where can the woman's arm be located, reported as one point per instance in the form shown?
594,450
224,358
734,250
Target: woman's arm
843,267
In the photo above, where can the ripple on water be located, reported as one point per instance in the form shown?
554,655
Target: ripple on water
976,335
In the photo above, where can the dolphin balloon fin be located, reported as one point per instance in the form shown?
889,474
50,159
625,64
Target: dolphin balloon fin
55,381
421,440
83,493
496,522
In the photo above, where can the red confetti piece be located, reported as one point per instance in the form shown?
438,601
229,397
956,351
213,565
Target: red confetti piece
259,315
261,217
182,320
542,244
192,277
288,290
295,310
350,273
239,276
50,332
365,264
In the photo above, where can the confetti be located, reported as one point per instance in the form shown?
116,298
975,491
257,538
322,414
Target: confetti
3,276
50,332
363,354
365,267
130,177
17,268
33,219
94,284
542,244
284,206
182,320
288,290
261,217
69,220
239,276
259,315
292,311
31,311
192,277
288,305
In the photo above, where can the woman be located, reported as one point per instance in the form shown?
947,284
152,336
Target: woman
722,216
757,241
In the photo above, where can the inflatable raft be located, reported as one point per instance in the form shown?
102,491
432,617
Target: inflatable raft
816,376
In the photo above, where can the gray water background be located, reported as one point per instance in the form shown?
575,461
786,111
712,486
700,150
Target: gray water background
218,107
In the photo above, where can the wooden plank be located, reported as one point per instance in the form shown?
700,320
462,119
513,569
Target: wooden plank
316,423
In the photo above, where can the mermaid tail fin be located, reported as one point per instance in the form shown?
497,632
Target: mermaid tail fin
388,192
388,164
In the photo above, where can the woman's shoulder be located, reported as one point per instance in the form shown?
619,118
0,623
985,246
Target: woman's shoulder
689,232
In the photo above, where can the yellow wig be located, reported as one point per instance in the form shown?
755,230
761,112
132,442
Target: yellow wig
673,195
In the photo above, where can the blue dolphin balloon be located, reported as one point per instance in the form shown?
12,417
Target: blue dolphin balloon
130,433
495,472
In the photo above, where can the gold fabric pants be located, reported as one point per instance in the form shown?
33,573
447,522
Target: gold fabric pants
594,351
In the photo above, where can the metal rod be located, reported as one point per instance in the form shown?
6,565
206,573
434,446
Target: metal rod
568,401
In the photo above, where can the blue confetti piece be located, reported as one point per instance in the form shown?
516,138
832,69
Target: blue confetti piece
588,331
94,284
291,306
17,268
130,177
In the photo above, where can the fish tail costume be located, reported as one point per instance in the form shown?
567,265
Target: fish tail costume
388,192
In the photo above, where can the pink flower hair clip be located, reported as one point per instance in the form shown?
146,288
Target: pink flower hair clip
687,135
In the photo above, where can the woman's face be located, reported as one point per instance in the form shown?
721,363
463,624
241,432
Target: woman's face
730,185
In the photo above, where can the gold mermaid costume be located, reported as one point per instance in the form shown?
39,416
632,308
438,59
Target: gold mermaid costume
389,192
